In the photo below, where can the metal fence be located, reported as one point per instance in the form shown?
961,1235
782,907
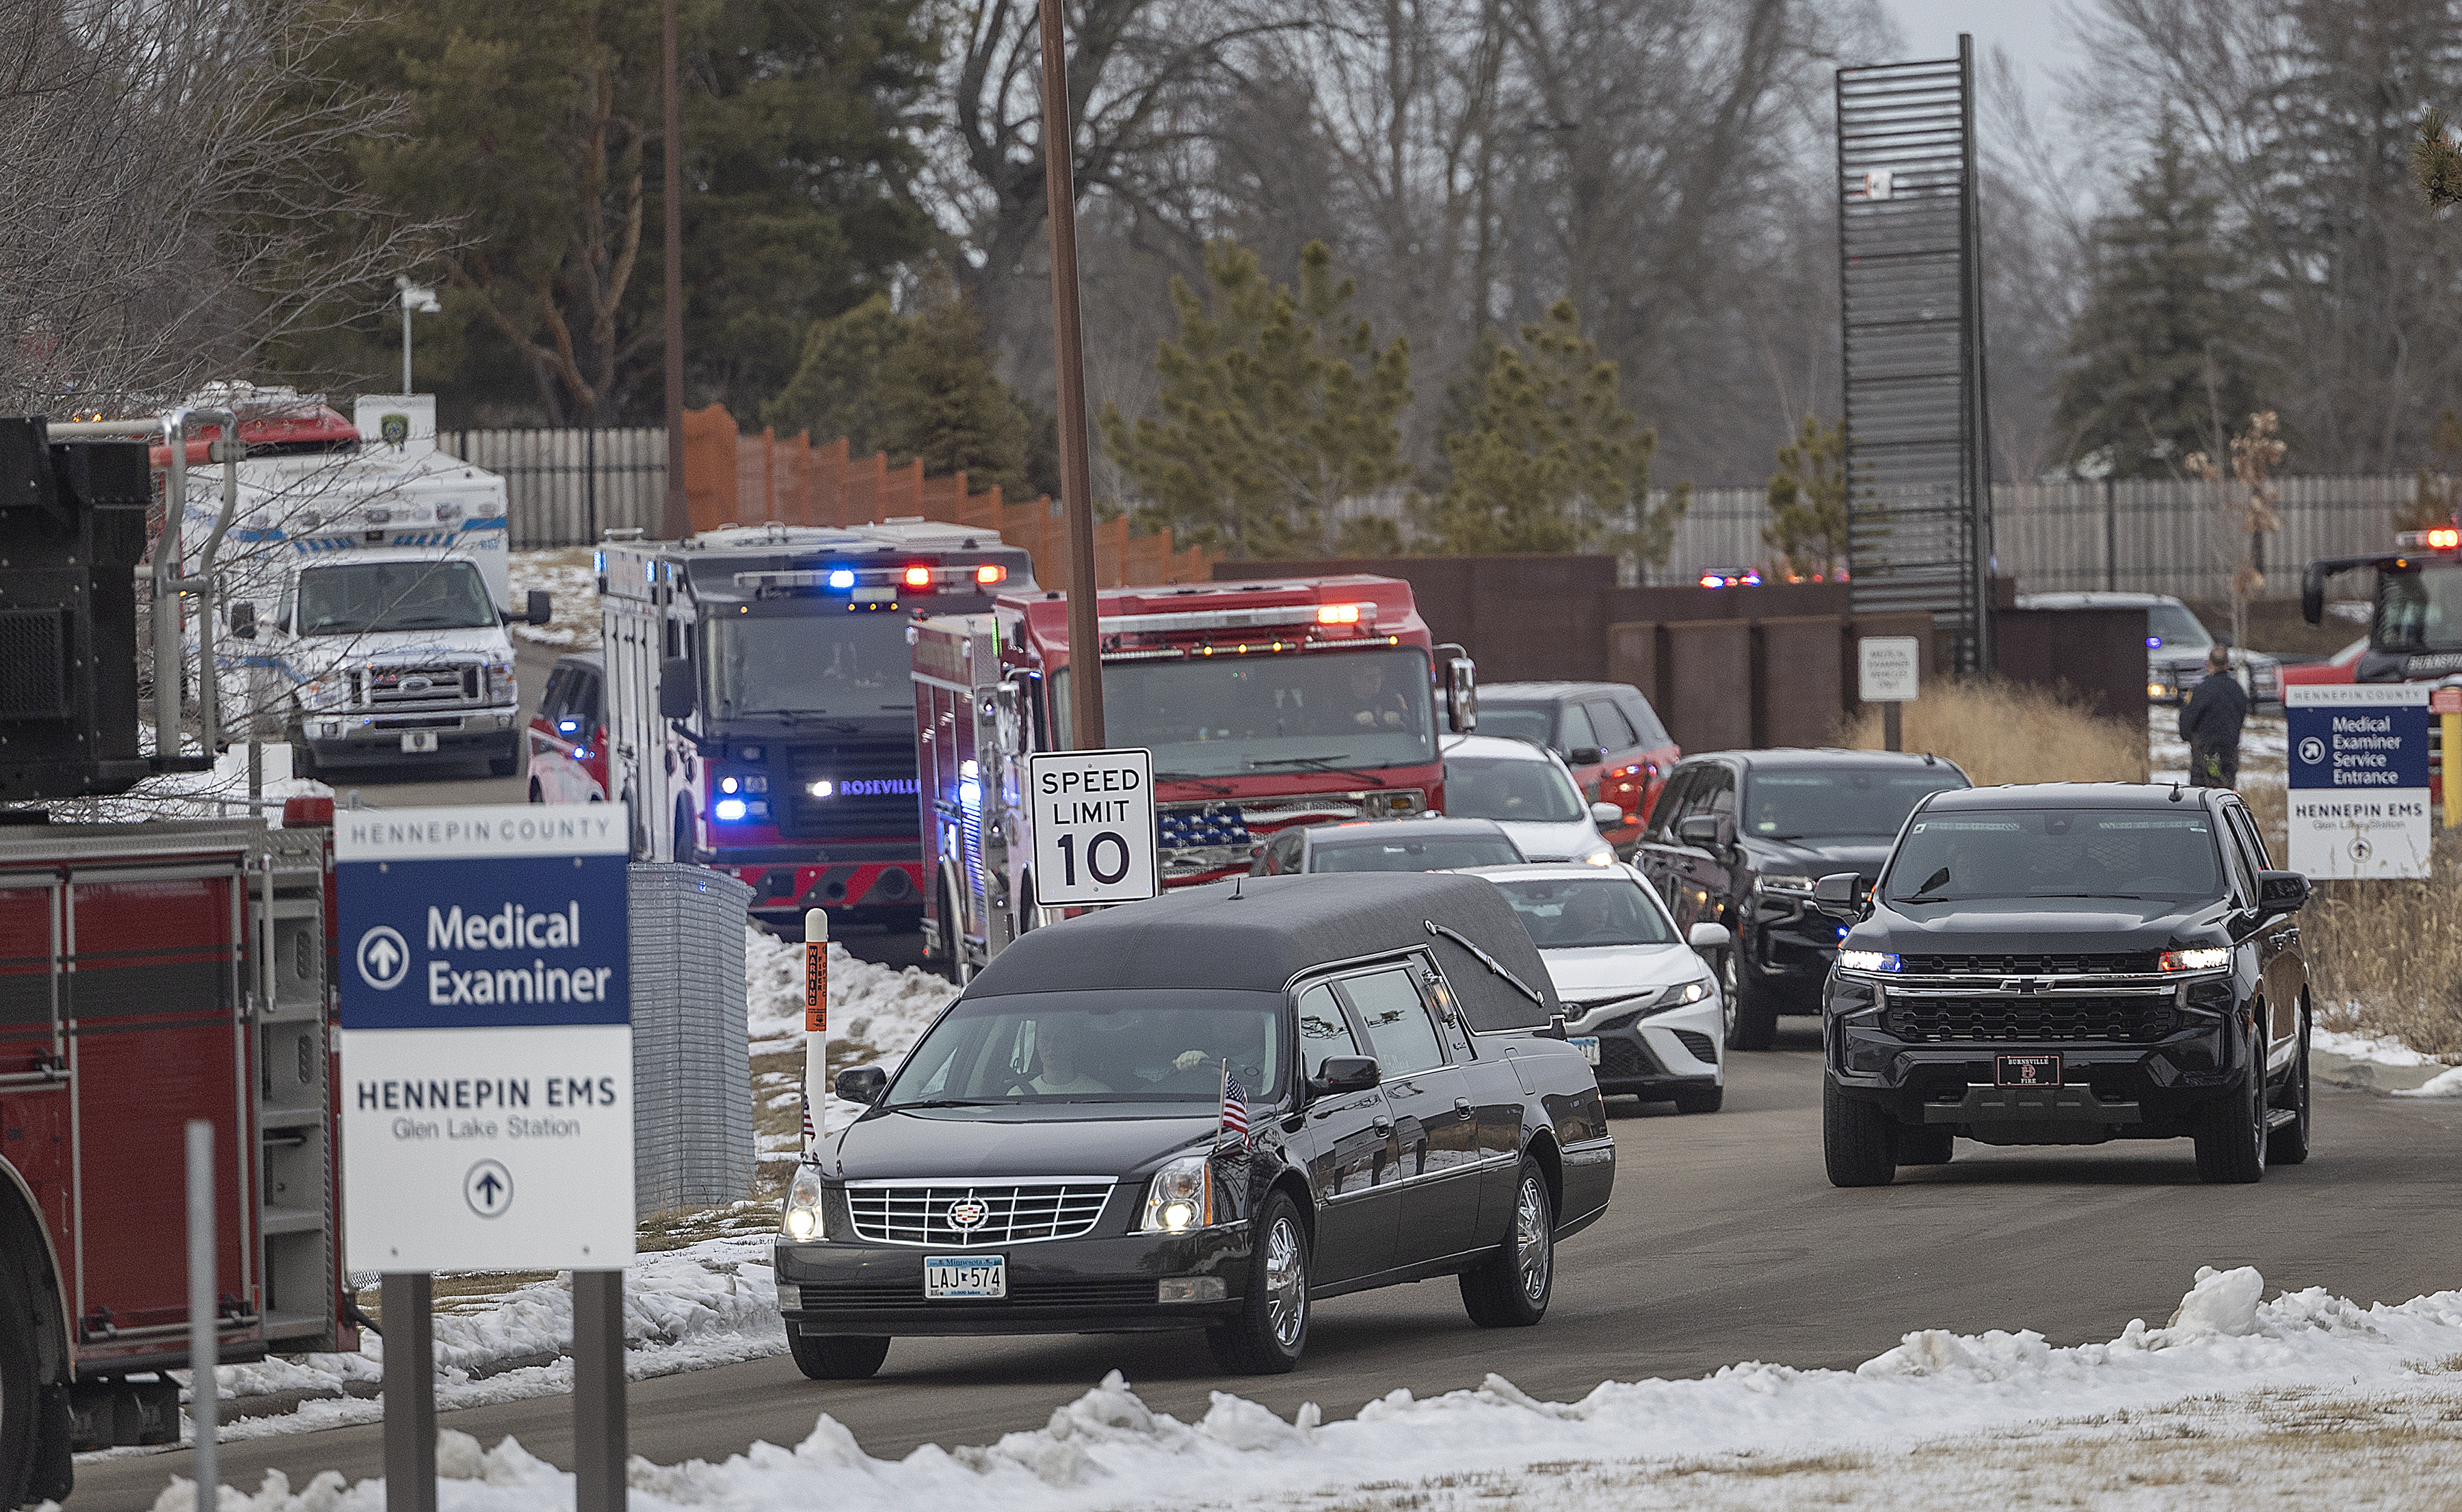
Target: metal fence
564,487
2149,537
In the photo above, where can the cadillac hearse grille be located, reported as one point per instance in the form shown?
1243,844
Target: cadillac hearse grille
1002,1212
2137,963
417,690
2130,1019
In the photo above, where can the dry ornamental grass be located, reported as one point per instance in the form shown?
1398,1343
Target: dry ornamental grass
2001,732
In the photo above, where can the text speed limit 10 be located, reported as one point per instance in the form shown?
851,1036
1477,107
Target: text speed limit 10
1093,826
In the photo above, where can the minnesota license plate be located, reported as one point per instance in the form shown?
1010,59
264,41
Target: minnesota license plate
1589,1046
2028,1071
965,1277
418,739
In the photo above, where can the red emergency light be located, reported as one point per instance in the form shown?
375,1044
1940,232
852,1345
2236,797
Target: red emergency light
991,573
919,578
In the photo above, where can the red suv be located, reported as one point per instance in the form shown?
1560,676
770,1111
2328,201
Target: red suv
1606,732
567,736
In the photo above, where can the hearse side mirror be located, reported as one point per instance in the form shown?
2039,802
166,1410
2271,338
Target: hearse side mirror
540,607
1839,895
676,688
1605,815
863,1084
2280,892
1344,1074
1703,830
1585,756
1461,695
243,620
1709,937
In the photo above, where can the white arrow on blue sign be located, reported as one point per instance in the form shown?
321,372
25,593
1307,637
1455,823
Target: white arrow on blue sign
486,1037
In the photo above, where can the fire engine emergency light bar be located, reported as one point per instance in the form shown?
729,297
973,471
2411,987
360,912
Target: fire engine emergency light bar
1361,615
1261,648
843,580
2443,538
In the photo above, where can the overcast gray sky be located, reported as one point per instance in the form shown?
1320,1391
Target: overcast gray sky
2037,35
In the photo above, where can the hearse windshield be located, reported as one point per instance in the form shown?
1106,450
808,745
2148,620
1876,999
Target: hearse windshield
1269,712
1114,1046
837,664
2057,852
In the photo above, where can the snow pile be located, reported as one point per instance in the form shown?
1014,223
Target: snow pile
1108,1449
878,1008
2383,1050
2445,1083
713,1303
201,794
572,582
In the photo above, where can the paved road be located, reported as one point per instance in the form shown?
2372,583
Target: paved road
1723,1243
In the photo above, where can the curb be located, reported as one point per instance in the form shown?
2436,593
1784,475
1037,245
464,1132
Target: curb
2369,1076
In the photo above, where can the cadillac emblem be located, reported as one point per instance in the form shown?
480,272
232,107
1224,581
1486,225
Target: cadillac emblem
967,1213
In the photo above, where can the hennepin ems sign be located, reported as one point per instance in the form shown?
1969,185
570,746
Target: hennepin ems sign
487,1038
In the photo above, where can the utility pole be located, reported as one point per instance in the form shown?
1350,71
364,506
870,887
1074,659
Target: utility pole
676,520
1076,472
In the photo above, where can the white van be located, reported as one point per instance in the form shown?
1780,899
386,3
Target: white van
366,586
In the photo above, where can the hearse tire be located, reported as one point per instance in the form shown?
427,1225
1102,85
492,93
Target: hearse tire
1268,1334
1858,1140
836,1357
1511,1289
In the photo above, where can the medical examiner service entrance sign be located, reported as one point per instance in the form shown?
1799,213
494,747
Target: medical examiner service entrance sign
2358,779
487,1038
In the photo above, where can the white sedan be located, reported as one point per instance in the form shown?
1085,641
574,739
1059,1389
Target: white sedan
1639,999
1530,792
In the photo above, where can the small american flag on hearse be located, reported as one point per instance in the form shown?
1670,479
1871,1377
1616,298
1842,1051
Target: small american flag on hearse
1233,1131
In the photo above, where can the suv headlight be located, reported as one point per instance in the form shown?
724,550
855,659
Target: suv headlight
1181,1196
800,1217
1783,882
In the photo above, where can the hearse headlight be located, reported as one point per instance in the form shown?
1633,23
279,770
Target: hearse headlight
1181,1196
800,1218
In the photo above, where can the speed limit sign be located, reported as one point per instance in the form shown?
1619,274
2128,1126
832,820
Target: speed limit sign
1093,826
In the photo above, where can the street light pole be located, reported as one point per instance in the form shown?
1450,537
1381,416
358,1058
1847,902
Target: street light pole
676,519
1076,472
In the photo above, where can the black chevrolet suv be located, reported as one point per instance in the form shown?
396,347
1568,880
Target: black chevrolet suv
2069,963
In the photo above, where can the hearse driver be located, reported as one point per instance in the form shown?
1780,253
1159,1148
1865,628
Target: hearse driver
1060,1073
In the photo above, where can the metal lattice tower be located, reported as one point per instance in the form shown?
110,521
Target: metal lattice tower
1909,275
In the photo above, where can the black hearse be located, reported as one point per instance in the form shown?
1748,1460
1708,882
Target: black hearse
2069,963
1049,1157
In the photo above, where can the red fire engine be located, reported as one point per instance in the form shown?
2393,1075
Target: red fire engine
1265,704
152,974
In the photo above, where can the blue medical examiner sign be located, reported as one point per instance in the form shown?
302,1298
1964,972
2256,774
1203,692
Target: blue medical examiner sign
2358,779
487,1037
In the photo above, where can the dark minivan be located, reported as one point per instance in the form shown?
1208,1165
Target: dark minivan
1051,1157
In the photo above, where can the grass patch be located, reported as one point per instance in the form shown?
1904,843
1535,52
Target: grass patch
2004,732
2385,957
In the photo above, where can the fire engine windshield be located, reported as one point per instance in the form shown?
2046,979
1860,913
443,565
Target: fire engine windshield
841,664
2420,610
1240,716
360,597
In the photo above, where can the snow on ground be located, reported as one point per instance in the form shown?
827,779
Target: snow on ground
2264,748
200,795
2227,1366
572,582
875,1013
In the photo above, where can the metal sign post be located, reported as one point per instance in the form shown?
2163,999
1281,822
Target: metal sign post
1889,671
1094,826
487,1056
2446,703
2358,779
205,1314
1068,346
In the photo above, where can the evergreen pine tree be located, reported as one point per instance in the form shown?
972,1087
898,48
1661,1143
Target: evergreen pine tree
1808,500
2167,347
1552,461
1277,406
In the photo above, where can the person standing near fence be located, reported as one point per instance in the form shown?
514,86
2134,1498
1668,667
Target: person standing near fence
2210,721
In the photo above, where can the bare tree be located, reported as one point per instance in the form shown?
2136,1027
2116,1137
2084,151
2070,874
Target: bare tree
176,202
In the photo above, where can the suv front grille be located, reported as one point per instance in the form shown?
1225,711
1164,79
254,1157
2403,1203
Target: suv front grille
1013,1212
2130,1019
2133,963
